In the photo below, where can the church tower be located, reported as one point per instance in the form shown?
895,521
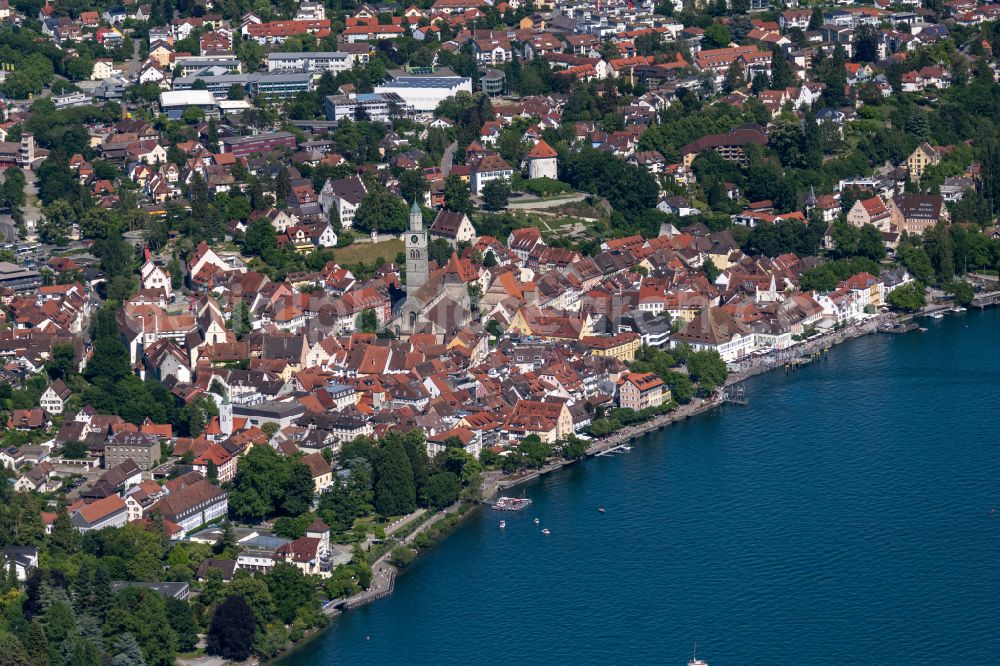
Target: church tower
417,241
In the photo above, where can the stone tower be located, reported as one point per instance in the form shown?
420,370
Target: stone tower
226,417
417,241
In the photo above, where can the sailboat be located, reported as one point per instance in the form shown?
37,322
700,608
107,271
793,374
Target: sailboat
695,661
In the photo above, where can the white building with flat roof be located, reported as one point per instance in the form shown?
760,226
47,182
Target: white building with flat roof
423,93
318,61
174,102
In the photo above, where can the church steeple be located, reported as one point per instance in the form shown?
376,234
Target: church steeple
417,241
416,217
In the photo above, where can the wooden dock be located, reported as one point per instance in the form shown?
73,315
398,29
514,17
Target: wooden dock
899,328
986,299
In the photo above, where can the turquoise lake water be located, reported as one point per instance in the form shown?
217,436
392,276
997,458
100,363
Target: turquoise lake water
842,517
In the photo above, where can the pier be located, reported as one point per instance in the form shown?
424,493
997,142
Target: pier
986,299
898,328
735,394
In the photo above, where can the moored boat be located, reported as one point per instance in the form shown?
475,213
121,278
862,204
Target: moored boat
510,503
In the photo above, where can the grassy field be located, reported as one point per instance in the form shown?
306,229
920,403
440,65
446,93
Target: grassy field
368,252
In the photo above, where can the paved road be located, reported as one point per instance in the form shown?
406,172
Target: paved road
404,521
546,203
32,213
133,65
448,158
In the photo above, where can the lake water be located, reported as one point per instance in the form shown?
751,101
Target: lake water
842,517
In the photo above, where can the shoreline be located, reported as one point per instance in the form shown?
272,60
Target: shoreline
801,354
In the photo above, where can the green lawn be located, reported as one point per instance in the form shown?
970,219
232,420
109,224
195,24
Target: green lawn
368,252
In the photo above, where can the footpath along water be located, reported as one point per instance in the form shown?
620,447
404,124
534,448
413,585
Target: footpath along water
843,516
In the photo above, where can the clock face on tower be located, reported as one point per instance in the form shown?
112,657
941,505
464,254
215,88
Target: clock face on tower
414,239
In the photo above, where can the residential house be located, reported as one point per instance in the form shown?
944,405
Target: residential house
194,505
915,213
343,195
453,227
108,512
717,330
550,421
922,157
489,168
641,390
871,211
54,397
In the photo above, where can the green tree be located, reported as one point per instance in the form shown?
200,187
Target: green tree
711,271
63,361
816,18
181,618
291,590
143,614
65,539
232,631
716,36
870,243
383,212
241,322
127,652
917,262
781,72
785,138
412,185
735,77
845,238
681,387
442,489
268,484
707,368
367,321
496,194
456,195
13,651
574,448
534,450
260,239
108,362
908,297
865,44
939,246
961,291
395,492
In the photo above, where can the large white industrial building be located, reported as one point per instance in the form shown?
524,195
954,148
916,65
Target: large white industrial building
423,92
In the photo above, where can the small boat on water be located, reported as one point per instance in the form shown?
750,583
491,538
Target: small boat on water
626,447
511,503
600,509
937,315
503,524
546,531
536,521
695,661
